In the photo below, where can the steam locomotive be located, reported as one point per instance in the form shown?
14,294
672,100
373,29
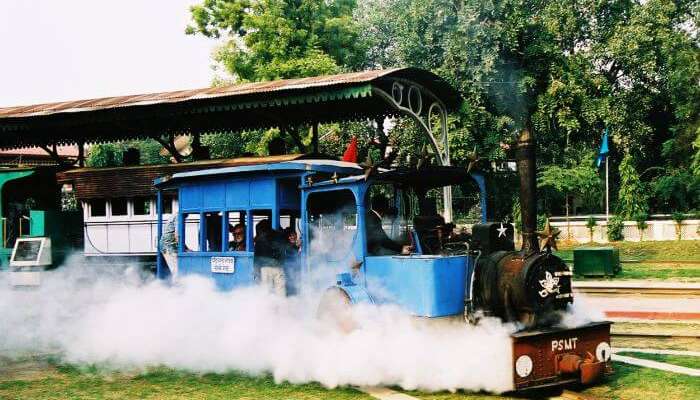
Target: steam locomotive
330,202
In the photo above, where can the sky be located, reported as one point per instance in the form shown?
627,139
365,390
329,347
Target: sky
54,50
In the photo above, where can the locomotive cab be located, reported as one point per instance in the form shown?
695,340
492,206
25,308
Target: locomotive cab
401,250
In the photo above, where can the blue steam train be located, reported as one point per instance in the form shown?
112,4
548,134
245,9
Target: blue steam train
375,236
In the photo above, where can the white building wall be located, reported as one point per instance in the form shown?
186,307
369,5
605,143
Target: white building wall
577,231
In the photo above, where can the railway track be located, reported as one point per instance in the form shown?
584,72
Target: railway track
645,335
622,289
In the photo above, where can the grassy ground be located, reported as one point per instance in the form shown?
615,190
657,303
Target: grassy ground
668,260
634,383
676,250
67,382
627,383
683,361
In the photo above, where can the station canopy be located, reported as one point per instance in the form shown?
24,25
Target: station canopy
234,108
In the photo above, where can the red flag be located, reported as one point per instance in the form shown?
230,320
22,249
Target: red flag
350,154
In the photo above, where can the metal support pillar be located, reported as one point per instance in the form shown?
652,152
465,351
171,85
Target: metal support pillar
314,137
81,153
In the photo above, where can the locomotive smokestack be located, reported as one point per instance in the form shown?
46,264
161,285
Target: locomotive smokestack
525,156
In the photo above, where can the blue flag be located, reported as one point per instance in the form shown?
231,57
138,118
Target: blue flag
603,148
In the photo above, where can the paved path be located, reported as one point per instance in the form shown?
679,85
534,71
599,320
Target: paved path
657,351
656,365
383,393
637,284
646,308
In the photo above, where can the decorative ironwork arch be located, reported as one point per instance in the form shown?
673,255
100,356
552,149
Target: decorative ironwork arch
407,98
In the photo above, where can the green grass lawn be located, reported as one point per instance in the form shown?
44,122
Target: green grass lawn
655,260
634,383
677,272
672,250
67,382
682,361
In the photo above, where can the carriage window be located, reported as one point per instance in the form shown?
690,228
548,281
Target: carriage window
333,222
388,204
262,219
289,219
142,206
119,207
168,204
236,231
191,231
212,227
98,208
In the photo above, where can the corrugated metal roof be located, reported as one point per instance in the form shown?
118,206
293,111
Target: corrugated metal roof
184,95
234,108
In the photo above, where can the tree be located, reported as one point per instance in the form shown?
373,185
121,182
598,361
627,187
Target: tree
276,39
591,224
110,154
696,157
678,218
641,219
567,68
676,190
578,180
632,197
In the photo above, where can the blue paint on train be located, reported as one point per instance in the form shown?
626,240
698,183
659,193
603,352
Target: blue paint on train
424,285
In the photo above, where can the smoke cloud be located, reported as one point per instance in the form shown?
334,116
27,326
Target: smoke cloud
122,318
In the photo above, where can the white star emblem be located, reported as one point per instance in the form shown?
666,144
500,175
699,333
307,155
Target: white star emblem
502,230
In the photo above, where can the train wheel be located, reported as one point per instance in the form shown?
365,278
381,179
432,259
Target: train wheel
335,309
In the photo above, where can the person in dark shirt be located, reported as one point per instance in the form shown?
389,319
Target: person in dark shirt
269,245
378,242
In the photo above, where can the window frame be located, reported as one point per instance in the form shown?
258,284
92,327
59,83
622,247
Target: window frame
247,214
88,209
151,207
125,217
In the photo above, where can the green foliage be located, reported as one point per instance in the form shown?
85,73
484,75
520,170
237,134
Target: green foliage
641,219
678,217
273,39
579,180
228,145
110,154
565,69
518,62
676,190
632,197
591,224
615,227
517,219
696,157
68,201
105,155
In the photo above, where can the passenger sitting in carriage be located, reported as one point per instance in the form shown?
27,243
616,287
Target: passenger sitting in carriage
238,242
378,242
